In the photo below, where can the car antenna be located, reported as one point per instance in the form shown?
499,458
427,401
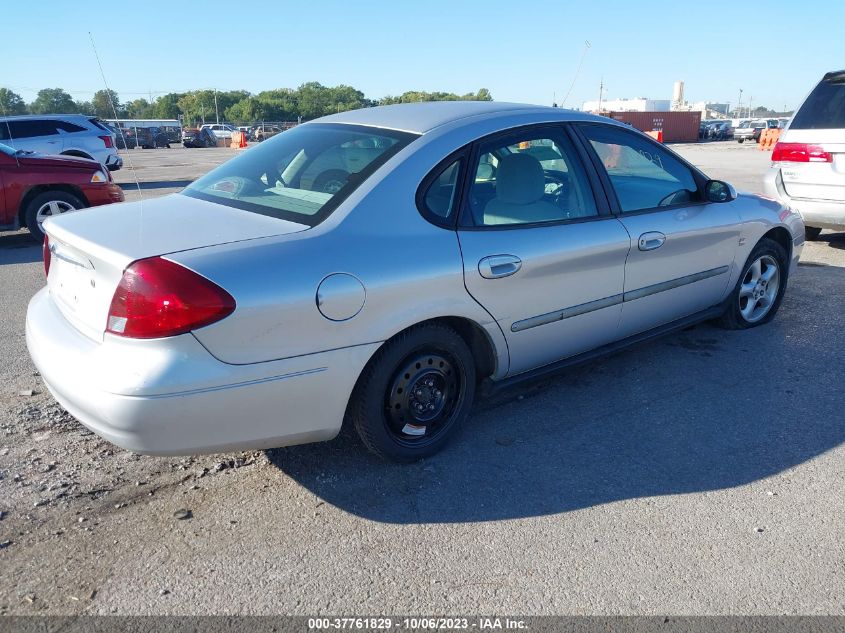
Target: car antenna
114,111
577,72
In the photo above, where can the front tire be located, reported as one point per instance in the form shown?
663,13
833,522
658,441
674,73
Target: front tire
759,291
414,393
48,204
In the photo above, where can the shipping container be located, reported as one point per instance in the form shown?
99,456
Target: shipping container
677,127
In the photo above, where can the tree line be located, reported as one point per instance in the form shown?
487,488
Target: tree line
308,101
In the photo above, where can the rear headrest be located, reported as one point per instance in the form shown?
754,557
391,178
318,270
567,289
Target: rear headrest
519,179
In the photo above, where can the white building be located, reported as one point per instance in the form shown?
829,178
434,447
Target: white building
639,104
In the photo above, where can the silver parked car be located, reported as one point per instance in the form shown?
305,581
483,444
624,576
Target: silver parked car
808,161
67,134
467,244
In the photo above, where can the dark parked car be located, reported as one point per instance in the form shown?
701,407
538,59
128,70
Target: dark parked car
153,137
34,187
124,138
193,137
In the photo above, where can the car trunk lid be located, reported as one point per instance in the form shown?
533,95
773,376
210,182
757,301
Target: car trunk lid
91,249
816,180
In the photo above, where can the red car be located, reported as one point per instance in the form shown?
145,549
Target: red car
33,187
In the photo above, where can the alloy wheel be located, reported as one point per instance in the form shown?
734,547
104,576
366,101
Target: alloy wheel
49,209
759,288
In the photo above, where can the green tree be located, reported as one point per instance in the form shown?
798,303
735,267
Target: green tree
167,106
314,100
245,111
197,106
413,96
105,103
53,101
483,95
11,103
139,109
85,107
281,104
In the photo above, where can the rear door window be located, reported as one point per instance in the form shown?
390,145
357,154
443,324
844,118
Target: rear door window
527,178
824,108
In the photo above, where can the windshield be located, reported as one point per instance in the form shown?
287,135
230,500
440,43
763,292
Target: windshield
303,174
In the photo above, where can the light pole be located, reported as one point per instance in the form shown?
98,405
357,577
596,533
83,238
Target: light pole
216,113
601,91
739,105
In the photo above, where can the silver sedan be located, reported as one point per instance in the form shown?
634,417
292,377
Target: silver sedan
382,265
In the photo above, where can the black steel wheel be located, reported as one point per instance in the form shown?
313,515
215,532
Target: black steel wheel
423,397
414,393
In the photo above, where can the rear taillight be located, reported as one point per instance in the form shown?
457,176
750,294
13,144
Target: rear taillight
45,251
158,298
107,140
800,153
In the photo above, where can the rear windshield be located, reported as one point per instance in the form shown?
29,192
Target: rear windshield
824,108
303,174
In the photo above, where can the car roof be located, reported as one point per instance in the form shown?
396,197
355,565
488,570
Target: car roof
424,117
48,116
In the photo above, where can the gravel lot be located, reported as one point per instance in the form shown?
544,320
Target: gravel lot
700,473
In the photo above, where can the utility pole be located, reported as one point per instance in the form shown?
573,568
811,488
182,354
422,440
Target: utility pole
601,90
216,113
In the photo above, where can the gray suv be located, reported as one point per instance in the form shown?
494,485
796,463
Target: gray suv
68,134
808,161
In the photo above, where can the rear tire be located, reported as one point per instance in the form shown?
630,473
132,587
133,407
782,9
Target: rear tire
48,204
811,233
759,290
414,393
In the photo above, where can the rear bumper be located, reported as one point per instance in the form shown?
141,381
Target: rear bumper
172,397
823,214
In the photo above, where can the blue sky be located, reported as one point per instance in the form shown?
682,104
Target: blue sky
522,50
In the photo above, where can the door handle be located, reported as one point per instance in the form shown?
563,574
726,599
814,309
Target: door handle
498,266
651,240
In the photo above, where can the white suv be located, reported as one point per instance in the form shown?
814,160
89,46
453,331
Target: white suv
68,134
808,161
220,130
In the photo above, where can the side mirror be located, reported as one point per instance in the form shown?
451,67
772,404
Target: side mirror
719,191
